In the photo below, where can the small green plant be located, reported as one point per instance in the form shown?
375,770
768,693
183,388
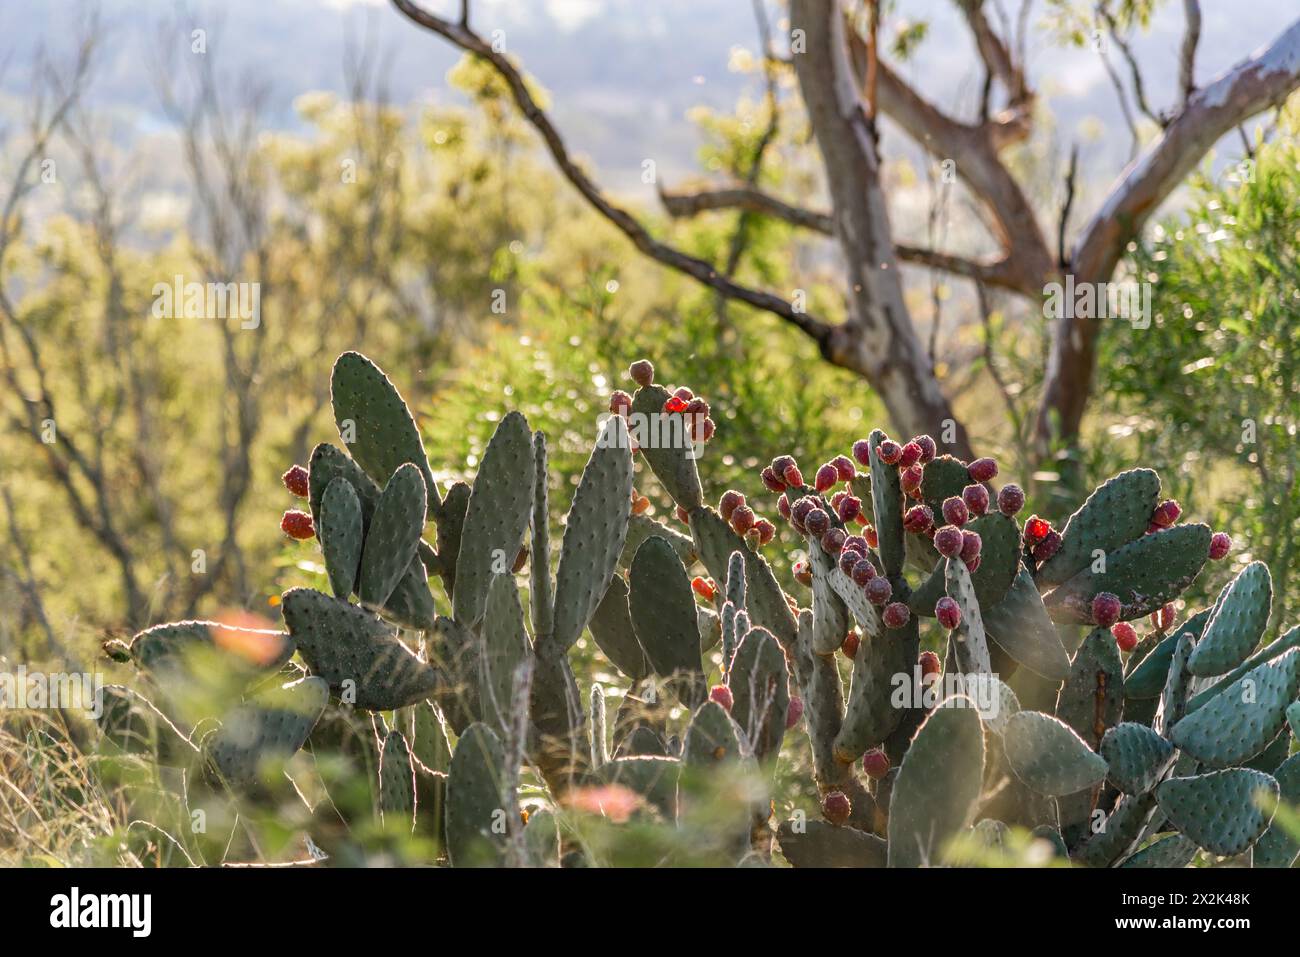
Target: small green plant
1182,748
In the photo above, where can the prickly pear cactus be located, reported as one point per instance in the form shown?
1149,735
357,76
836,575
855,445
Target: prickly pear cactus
946,672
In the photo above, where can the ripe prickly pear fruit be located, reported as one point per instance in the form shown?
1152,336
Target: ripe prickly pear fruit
844,466
1106,609
730,501
910,479
742,519
927,447
772,481
976,498
948,612
909,456
862,452
1220,545
826,477
931,666
918,519
1166,513
896,614
296,481
802,573
836,807
850,645
955,511
983,470
817,522
793,712
1126,635
642,372
620,403
766,531
298,524
875,763
971,544
675,404
683,516
1048,547
856,543
706,588
1163,617
889,451
783,507
949,540
722,695
1011,499
849,508
833,541
1036,530
863,572
869,533
878,590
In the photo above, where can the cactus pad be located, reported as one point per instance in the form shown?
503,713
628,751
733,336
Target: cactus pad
665,444
478,807
1236,624
1220,811
663,615
1048,756
1137,757
761,697
393,536
1020,626
611,626
1116,513
271,726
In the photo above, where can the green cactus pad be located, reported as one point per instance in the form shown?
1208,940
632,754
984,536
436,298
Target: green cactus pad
1145,574
611,626
428,738
594,532
654,779
1092,697
411,603
864,613
451,525
870,714
887,508
1293,717
541,593
496,518
1267,653
329,462
1048,756
1172,850
1116,513
712,738
355,652
1147,680
996,701
665,445
1240,721
385,436
641,527
938,785
663,616
1236,624
999,563
505,647
1136,755
1279,847
760,691
340,531
818,844
1118,834
396,783
394,533
767,605
542,839
456,651
943,478
478,805
967,639
269,727
1020,626
830,617
1173,700
1220,811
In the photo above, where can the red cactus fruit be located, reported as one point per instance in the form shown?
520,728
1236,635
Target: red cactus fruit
949,540
772,481
849,558
976,498
792,475
817,522
955,511
889,451
869,533
1011,499
973,564
896,615
799,514
1163,617
1106,609
766,531
683,516
849,508
918,519
863,572
827,475
620,403
856,543
642,372
875,763
675,404
878,590
742,519
1166,513
1126,635
862,452
296,481
948,612
844,466
1220,545
297,524
1049,546
983,470
927,447
640,504
836,807
706,588
909,456
910,479
850,645
722,695
1036,530
783,507
730,501
832,541
971,543
802,573
930,665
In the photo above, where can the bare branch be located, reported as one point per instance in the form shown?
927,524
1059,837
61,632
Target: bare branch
704,272
1187,56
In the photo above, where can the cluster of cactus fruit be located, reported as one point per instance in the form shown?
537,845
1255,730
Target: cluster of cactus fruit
1145,760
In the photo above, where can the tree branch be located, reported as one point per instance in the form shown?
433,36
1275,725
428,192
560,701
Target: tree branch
464,38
